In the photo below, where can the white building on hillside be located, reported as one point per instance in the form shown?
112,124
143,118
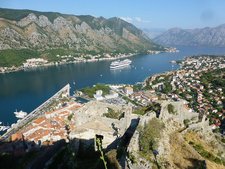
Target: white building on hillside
98,95
112,95
128,90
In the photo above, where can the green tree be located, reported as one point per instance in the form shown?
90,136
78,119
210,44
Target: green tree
149,135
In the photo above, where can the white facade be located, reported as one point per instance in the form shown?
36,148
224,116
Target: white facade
112,95
128,90
98,95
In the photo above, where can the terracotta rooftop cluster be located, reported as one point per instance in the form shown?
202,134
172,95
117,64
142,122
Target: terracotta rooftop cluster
49,127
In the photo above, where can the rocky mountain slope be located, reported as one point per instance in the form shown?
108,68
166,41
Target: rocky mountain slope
193,37
26,29
180,146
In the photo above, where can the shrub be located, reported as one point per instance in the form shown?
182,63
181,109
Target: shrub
204,153
112,114
132,158
186,122
149,135
70,117
140,111
171,109
223,140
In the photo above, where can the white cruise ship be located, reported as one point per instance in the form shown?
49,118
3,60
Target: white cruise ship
21,114
120,64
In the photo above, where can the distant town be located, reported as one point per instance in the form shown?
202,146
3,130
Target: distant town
65,59
200,82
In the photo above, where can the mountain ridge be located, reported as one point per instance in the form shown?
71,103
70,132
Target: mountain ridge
30,29
207,36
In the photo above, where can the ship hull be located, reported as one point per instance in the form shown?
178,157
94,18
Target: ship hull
120,64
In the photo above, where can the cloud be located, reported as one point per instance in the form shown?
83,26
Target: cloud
127,19
138,19
134,19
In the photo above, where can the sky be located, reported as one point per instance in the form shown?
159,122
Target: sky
151,14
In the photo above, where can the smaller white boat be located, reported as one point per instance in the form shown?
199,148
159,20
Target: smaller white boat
21,114
173,61
3,128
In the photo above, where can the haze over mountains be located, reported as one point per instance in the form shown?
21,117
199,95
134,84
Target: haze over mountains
48,30
207,36
153,32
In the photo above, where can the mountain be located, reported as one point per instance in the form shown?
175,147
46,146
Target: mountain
41,31
214,36
153,32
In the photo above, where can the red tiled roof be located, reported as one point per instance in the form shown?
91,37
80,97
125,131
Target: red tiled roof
39,120
16,136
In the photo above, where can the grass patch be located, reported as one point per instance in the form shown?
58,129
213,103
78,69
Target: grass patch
204,153
155,107
140,111
113,114
90,91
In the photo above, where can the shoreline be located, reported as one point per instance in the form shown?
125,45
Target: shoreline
20,68
81,60
12,69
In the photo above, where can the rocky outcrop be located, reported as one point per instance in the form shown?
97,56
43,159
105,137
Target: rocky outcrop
174,150
90,120
47,30
27,20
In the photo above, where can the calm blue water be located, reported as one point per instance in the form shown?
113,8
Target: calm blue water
25,90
